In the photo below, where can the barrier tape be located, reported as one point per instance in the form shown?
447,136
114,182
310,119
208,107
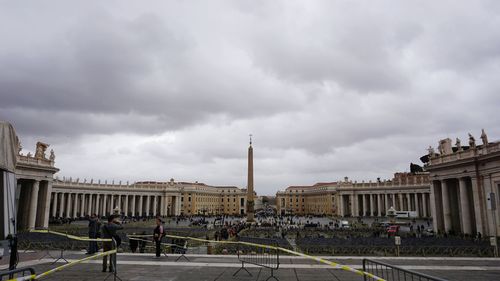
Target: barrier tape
73,236
59,268
321,260
149,241
29,277
331,263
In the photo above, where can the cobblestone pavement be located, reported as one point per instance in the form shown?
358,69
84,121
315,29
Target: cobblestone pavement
203,267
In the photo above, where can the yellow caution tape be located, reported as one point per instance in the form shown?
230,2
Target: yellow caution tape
149,241
23,278
321,260
72,236
59,268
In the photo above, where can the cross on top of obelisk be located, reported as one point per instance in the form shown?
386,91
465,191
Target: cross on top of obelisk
250,139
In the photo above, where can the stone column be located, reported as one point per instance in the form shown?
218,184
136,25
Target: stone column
372,205
89,207
477,207
416,205
434,214
365,205
424,205
126,205
54,204
68,205
464,206
48,194
75,205
120,203
155,205
353,209
386,202
148,200
82,205
133,205
163,205
140,205
408,202
401,205
379,205
33,204
61,205
446,206
104,205
98,205
341,205
111,202
178,206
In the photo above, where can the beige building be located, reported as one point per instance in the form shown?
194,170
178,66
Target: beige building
40,196
465,186
405,192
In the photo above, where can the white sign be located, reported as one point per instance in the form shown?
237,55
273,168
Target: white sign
397,240
493,241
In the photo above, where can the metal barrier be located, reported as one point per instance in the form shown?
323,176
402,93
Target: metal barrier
267,257
393,273
11,274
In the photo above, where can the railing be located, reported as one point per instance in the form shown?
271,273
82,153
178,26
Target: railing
259,256
19,274
393,273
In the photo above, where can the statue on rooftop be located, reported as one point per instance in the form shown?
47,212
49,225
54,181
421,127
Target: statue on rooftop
484,137
472,142
52,155
459,145
29,155
40,150
19,147
432,154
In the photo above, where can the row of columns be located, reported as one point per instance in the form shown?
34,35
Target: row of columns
72,205
456,207
33,203
377,204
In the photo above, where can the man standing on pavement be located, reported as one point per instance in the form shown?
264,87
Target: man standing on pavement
109,232
94,232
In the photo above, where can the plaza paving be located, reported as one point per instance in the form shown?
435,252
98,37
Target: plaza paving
211,267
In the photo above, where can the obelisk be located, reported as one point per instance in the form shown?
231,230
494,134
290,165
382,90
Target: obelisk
250,203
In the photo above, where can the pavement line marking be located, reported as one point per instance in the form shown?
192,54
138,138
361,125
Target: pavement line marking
291,266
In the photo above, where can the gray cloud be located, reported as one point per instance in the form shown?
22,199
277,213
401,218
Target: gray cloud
172,89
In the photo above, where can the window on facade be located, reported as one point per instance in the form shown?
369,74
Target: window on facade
189,199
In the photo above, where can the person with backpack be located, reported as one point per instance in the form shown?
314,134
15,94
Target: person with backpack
158,234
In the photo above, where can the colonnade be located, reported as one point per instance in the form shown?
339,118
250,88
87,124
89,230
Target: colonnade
376,204
457,208
75,204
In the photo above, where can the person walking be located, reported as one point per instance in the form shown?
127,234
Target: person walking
158,234
109,232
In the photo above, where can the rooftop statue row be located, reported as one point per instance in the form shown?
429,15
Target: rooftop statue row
447,150
77,181
40,150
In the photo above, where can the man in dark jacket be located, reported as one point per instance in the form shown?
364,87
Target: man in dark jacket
94,232
109,232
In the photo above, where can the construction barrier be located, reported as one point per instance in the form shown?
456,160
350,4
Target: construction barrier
318,259
264,257
69,264
268,247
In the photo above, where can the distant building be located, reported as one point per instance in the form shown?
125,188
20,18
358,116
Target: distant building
405,192
465,186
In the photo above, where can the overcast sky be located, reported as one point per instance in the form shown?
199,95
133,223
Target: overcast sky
135,90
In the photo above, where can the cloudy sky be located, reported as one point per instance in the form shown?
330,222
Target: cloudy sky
134,90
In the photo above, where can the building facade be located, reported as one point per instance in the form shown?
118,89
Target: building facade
465,186
405,192
41,196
